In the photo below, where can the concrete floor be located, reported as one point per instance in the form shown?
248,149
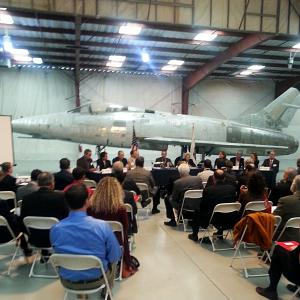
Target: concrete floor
172,268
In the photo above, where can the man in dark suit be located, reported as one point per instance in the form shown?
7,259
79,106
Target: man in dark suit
103,162
121,158
289,207
221,192
85,162
63,177
238,161
7,181
184,183
273,164
44,203
31,187
164,160
283,187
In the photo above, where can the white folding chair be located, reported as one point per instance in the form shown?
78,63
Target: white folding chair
39,223
90,183
242,257
222,208
81,263
191,199
13,241
131,239
9,195
255,206
144,191
118,227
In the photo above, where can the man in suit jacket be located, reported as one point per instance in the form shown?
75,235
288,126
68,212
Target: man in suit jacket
289,207
63,177
44,203
141,175
85,162
121,158
164,160
273,164
31,187
103,162
221,192
238,161
180,186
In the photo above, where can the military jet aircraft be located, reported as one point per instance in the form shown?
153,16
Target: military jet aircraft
113,126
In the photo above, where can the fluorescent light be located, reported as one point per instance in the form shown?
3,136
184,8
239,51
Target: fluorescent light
205,36
3,8
6,19
297,46
120,58
169,68
256,67
114,64
7,44
19,52
22,58
175,62
37,60
246,72
130,29
145,57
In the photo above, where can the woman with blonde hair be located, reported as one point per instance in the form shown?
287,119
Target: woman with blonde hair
107,204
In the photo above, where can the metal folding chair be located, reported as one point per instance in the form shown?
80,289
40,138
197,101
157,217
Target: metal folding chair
9,195
13,241
39,223
144,191
255,206
81,263
90,183
191,200
222,208
118,227
131,239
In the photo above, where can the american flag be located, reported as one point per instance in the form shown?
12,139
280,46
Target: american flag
134,142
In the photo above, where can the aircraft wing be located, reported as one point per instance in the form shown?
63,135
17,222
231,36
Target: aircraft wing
182,142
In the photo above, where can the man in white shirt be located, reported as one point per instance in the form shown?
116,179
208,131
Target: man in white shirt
207,171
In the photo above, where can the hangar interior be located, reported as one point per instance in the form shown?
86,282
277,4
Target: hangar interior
210,77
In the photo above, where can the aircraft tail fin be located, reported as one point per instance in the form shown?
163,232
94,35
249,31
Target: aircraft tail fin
279,113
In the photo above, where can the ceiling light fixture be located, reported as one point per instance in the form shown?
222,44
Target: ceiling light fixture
246,72
119,58
169,68
175,62
37,60
145,57
6,19
7,44
256,67
19,52
23,58
297,46
130,29
114,64
3,8
205,36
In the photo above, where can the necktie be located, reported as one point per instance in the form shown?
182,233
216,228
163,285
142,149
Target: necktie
271,162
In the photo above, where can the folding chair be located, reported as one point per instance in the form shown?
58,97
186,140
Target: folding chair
39,223
255,206
144,191
131,239
90,183
81,263
241,257
222,208
9,195
118,227
204,184
191,201
13,241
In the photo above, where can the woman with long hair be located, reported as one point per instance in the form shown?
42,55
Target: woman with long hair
107,204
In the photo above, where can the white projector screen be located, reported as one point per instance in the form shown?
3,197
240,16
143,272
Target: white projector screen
6,148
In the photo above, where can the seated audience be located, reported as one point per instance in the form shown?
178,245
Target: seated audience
284,262
121,158
254,191
164,160
15,226
289,207
7,181
141,175
45,202
207,171
187,159
103,162
221,159
298,166
134,154
178,160
283,187
85,235
86,162
244,177
107,204
117,172
63,177
238,161
31,187
225,166
255,160
220,192
180,186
